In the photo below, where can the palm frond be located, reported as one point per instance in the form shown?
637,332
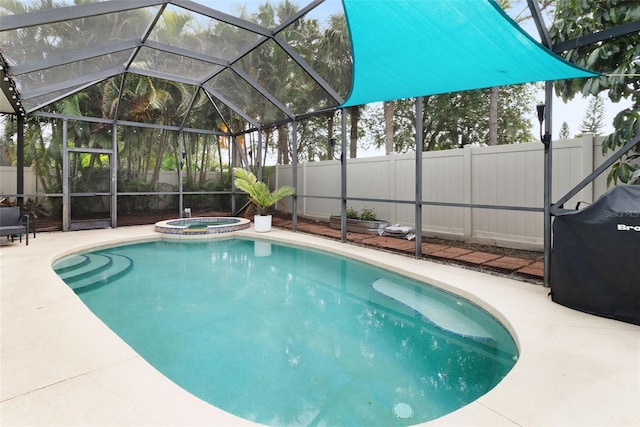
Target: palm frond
259,193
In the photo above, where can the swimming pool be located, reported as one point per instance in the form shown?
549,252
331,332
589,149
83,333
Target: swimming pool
288,336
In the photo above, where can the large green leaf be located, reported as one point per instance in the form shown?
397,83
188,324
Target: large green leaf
259,193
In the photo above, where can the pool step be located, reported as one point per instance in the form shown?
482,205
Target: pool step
450,314
85,272
82,266
70,263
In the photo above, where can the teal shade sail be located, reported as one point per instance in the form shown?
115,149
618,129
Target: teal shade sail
409,48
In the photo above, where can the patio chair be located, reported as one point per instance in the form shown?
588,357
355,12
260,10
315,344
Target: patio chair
13,224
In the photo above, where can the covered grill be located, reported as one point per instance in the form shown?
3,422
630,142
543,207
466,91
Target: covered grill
595,260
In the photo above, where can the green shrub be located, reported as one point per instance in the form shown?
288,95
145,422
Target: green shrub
367,214
352,213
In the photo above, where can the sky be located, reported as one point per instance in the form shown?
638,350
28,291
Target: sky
574,111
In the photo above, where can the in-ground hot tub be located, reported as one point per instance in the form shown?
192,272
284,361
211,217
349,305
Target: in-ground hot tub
199,226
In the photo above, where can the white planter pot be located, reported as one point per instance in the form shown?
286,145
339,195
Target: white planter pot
261,249
262,223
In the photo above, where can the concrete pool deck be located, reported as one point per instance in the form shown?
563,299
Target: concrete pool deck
60,365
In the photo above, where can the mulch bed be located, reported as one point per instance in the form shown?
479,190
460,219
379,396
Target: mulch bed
443,243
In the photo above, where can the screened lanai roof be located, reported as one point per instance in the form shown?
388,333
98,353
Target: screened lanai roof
243,60
218,64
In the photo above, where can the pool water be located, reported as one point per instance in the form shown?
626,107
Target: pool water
206,224
282,335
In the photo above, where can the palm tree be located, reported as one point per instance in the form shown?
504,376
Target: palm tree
259,193
335,64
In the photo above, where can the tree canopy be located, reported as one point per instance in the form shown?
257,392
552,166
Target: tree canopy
593,120
455,119
618,58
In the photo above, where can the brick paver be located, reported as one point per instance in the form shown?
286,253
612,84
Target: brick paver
535,270
477,258
393,243
429,248
508,263
450,253
483,260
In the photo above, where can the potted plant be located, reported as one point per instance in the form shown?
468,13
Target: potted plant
364,222
261,197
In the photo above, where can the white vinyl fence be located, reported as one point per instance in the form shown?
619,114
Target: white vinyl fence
505,175
9,180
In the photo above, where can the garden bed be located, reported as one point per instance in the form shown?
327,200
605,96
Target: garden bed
358,225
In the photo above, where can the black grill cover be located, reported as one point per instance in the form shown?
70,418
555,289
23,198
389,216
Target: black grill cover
595,260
